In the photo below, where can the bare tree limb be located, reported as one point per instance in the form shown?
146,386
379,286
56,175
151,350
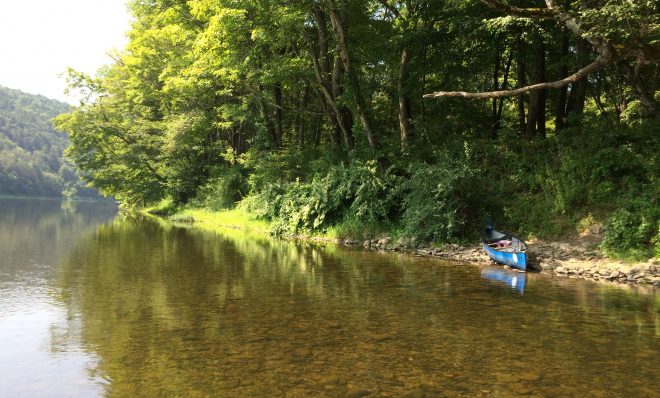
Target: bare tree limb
580,74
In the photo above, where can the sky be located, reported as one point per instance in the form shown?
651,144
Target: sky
40,39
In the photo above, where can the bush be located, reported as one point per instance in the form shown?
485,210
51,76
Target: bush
446,201
165,207
224,189
630,235
357,191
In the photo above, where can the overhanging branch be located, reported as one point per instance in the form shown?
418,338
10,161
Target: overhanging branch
538,13
577,76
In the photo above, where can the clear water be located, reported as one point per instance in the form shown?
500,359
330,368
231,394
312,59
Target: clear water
94,304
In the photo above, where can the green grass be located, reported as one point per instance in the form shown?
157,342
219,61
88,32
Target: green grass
224,219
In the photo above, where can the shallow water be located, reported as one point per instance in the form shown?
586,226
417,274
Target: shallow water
93,304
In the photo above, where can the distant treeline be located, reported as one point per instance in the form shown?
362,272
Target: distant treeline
329,114
31,150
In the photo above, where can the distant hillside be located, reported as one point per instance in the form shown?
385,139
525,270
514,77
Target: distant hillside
31,159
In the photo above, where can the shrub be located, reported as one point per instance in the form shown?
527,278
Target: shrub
225,187
445,201
630,235
357,191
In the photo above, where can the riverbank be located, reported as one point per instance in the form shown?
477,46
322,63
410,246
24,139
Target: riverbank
578,257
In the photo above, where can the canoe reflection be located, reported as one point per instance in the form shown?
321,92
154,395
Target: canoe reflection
512,279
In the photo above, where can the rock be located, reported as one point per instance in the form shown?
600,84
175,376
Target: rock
634,270
614,274
547,266
560,270
351,393
596,229
580,271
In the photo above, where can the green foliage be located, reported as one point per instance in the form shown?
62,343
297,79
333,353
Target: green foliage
445,201
182,218
297,111
165,207
224,188
357,192
31,158
631,235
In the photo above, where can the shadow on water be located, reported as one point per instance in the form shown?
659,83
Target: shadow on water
177,311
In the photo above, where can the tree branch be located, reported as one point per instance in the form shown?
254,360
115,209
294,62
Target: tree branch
552,12
538,13
577,76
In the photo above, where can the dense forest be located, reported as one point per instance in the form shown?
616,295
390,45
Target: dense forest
31,151
418,119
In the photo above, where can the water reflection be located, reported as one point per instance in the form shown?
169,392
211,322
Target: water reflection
509,278
132,307
174,311
40,353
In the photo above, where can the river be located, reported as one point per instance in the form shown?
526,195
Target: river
98,304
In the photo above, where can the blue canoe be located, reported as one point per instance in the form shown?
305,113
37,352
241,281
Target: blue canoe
513,279
505,248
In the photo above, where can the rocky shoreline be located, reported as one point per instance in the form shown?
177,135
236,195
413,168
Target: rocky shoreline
561,259
577,258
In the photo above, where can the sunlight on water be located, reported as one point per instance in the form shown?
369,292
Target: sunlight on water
95,305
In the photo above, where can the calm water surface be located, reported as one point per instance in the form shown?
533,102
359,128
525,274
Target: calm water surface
94,304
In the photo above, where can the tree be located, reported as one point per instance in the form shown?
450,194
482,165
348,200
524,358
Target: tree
630,40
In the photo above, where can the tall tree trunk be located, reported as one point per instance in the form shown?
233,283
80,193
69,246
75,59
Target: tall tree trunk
561,121
496,86
405,117
277,95
335,130
520,77
300,118
326,96
329,77
536,116
543,94
339,27
265,115
578,91
317,134
324,53
500,106
643,81
345,116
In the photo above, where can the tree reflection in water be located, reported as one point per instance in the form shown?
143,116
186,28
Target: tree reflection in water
178,311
